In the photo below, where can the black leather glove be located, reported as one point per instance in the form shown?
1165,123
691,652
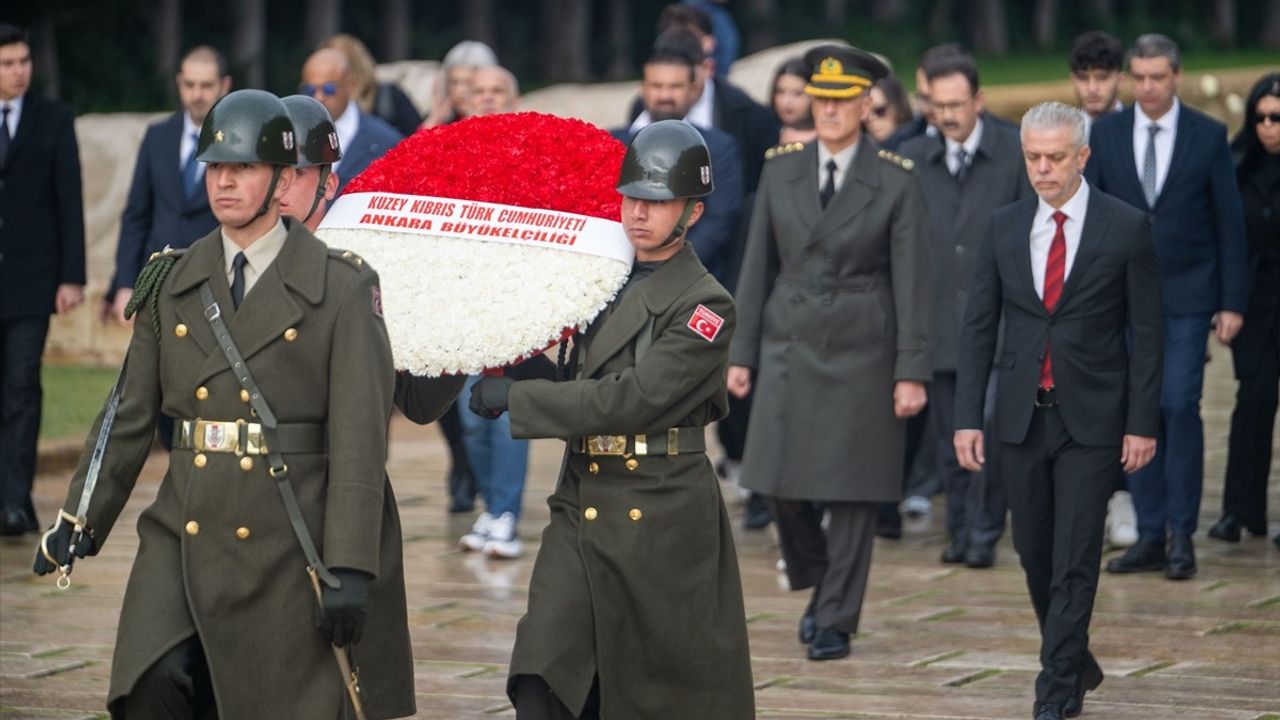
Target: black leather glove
340,619
489,396
538,367
55,547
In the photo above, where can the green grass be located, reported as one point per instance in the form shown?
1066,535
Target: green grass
73,396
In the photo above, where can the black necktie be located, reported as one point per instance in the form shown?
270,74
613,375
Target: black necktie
829,188
237,280
4,135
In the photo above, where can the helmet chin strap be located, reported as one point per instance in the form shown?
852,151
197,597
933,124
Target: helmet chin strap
681,224
315,202
266,201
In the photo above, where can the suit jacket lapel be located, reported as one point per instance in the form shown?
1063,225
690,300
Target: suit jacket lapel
860,182
803,188
1026,215
32,109
170,149
1096,218
1182,141
1126,157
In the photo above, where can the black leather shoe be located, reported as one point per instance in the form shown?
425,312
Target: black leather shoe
829,644
1182,558
1090,679
955,551
1276,541
1146,555
1227,529
16,521
1048,711
980,556
757,516
889,530
809,621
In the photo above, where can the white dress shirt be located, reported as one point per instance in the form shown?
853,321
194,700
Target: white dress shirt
259,255
970,146
1164,141
843,159
188,144
15,113
1043,228
347,125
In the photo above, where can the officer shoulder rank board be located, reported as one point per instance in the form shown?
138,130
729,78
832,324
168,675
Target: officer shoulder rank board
705,323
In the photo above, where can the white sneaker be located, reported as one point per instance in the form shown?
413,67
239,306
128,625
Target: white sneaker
916,507
479,535
1121,522
503,540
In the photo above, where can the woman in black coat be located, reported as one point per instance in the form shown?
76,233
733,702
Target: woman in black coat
1256,350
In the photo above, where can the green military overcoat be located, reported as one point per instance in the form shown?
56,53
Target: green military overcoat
216,555
636,581
834,306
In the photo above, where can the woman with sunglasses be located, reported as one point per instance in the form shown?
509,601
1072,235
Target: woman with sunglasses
1256,350
889,109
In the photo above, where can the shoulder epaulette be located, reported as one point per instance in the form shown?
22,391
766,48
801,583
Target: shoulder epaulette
896,159
346,255
147,286
783,149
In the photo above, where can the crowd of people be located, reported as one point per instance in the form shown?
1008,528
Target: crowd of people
927,298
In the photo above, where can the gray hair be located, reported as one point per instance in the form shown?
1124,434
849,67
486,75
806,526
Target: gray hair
1053,114
1154,45
471,53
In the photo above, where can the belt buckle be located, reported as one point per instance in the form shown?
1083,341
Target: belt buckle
216,436
254,442
606,445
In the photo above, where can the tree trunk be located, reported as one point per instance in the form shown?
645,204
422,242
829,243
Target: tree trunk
988,27
324,19
477,21
248,33
1044,23
836,12
44,37
762,16
1104,11
566,27
166,35
620,40
1222,23
888,12
1271,26
394,19
940,20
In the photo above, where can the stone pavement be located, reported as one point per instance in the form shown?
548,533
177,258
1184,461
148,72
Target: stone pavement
937,641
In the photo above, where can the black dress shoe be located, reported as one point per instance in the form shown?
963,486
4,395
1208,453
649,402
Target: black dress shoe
1146,555
889,530
1048,711
809,621
955,551
829,644
980,556
16,521
1182,558
1227,528
1090,679
757,516
1276,541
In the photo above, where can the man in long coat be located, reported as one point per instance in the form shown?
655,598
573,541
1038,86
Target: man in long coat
835,305
218,612
635,604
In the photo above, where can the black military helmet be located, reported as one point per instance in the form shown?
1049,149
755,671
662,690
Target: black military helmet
666,160
313,128
247,126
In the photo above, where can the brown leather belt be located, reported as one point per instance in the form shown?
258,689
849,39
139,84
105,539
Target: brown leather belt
676,441
242,437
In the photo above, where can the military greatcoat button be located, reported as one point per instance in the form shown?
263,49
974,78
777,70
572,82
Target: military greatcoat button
242,533
202,393
290,335
246,464
590,513
594,468
632,464
193,527
200,460
180,330
635,514
244,396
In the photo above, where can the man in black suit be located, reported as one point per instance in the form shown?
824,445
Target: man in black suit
167,203
1166,159
1074,275
974,167
41,261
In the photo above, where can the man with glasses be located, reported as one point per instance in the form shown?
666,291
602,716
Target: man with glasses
972,169
327,77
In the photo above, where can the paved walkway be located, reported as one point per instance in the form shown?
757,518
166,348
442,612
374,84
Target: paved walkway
938,642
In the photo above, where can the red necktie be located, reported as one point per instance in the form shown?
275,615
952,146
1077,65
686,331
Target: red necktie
1055,271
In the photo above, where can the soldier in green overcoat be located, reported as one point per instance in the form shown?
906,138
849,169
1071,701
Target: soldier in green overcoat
635,604
220,617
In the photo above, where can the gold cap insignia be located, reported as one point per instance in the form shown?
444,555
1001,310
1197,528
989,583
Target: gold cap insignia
831,66
218,136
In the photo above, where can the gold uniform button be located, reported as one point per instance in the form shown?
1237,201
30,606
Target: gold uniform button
242,533
180,330
590,513
632,464
290,335
200,460
246,464
244,396
635,514
193,527
594,469
202,393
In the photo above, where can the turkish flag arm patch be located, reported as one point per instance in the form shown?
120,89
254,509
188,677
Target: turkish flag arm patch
706,323
377,300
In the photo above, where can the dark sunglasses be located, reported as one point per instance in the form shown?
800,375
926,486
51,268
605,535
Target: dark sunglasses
1263,117
309,90
880,111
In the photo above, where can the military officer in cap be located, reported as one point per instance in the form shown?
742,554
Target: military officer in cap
270,352
635,604
834,307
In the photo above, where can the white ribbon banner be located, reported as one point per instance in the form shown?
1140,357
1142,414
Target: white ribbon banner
471,220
